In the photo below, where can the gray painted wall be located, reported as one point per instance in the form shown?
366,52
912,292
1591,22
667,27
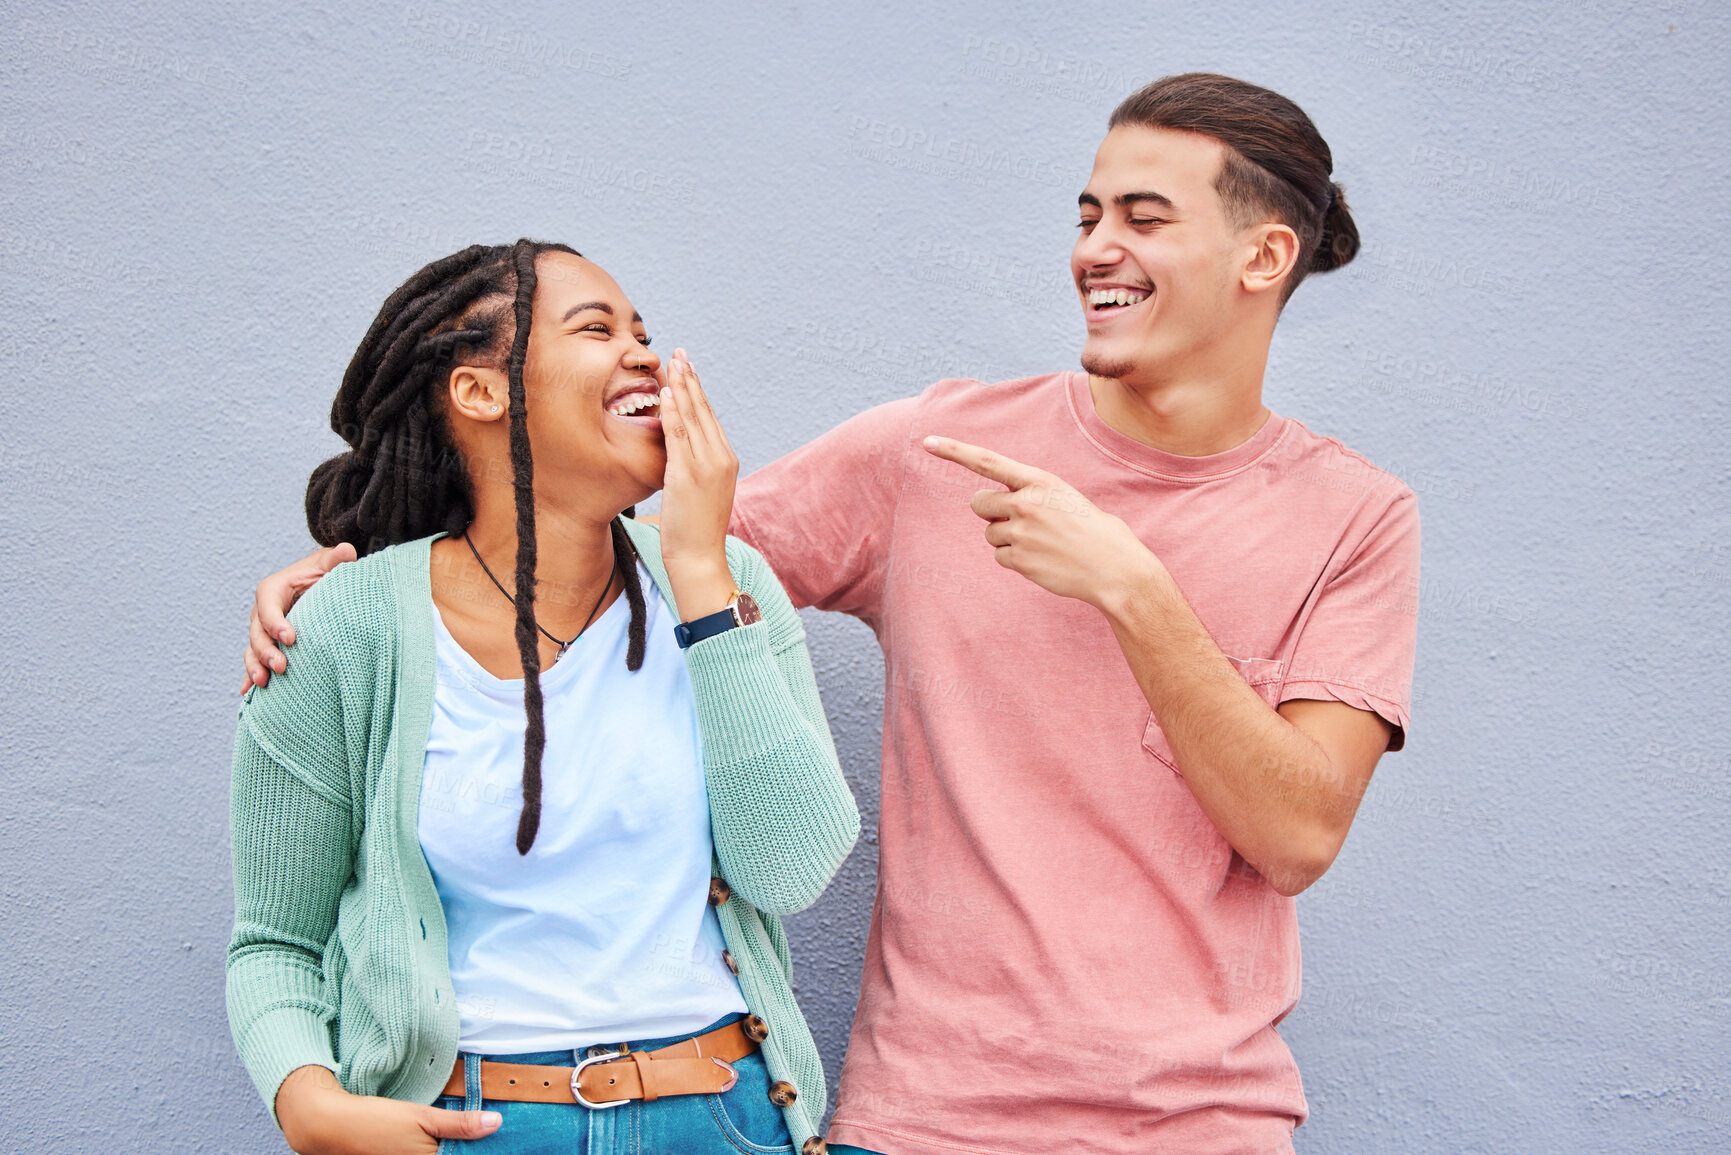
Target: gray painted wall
1524,945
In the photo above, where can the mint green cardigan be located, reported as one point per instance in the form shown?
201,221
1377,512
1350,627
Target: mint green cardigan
339,952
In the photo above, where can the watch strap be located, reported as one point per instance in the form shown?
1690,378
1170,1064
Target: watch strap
722,620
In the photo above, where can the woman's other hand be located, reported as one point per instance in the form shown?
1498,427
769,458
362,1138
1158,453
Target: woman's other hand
697,497
318,1117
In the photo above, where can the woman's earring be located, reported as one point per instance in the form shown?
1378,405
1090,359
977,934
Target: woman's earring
495,409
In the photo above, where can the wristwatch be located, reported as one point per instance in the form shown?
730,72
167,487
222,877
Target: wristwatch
741,611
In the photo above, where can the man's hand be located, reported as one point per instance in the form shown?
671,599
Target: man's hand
271,602
1281,787
1045,530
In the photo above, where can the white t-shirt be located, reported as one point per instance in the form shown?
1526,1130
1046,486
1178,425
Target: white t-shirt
603,932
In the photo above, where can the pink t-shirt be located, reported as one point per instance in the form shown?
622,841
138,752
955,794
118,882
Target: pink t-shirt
1063,949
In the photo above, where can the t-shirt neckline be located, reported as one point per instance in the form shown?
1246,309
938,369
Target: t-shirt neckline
1129,452
553,677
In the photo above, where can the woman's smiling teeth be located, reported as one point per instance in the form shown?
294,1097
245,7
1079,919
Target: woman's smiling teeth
633,403
1107,298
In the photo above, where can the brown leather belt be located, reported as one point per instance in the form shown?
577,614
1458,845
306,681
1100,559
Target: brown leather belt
695,1066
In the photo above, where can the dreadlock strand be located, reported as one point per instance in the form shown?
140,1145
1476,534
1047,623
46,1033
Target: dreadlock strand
417,499
380,484
523,493
625,561
441,345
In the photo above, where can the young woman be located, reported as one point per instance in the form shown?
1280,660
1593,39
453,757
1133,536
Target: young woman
512,837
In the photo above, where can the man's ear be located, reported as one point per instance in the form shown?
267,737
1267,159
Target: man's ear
1273,249
478,393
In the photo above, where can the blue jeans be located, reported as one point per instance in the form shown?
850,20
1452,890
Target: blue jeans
844,1149
741,1121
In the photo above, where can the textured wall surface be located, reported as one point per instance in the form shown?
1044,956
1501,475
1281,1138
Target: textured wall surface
1523,947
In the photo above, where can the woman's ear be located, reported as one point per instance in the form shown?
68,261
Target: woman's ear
477,393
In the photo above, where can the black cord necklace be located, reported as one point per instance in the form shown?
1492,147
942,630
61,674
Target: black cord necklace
563,645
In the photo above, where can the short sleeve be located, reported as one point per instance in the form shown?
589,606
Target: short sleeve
1358,643
822,516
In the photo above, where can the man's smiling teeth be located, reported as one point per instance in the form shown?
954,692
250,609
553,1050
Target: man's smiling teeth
1100,297
631,403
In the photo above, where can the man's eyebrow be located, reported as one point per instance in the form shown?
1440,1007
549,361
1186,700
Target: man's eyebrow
1126,199
575,309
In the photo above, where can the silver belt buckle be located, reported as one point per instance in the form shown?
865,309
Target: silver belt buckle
576,1087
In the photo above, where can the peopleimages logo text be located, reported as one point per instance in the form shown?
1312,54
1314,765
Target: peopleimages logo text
866,132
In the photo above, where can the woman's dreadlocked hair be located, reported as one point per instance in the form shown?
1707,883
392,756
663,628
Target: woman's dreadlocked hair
403,477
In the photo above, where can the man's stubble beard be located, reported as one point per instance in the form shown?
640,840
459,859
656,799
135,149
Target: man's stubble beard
1112,370
1099,365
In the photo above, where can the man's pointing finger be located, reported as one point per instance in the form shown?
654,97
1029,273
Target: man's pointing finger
984,462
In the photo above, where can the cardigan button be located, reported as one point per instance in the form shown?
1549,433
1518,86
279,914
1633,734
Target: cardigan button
729,961
718,891
755,1028
814,1146
782,1093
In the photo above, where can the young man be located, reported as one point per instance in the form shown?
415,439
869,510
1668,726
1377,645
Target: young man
1123,730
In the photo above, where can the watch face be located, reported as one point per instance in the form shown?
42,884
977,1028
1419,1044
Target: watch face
746,611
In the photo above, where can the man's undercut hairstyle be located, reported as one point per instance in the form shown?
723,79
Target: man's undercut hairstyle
403,477
1277,165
